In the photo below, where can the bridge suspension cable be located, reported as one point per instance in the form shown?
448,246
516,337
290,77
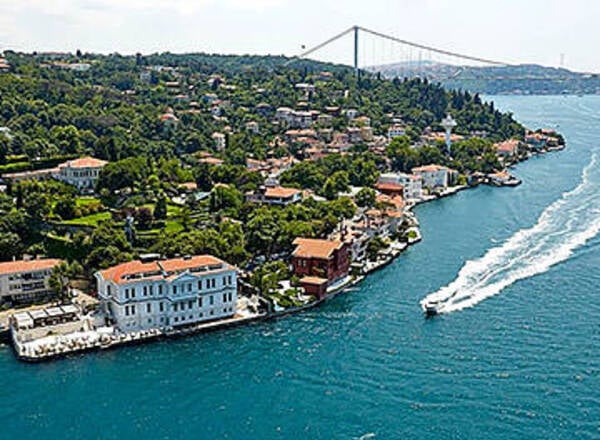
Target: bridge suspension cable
323,44
433,49
422,47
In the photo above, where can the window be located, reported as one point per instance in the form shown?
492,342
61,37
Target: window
191,317
133,292
148,308
145,291
151,290
224,280
201,315
160,290
174,290
126,310
208,284
212,300
214,282
230,297
189,287
200,302
176,319
212,312
224,297
229,280
133,310
200,285
175,307
161,306
126,293
108,290
190,304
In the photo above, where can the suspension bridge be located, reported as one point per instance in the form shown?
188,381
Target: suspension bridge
408,58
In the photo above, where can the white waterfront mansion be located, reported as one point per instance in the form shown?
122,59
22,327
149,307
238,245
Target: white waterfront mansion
412,184
141,295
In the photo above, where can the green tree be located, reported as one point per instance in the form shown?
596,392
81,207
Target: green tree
160,210
365,198
336,183
10,246
66,207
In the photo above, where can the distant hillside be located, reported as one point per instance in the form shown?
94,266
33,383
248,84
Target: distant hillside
524,79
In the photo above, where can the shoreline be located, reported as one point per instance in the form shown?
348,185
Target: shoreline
117,340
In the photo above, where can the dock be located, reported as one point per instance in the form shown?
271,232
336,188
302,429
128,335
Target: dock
53,346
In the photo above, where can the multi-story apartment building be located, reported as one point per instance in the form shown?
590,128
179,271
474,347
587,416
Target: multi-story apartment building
436,176
168,293
412,184
26,281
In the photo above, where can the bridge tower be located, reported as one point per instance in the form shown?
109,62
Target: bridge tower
356,50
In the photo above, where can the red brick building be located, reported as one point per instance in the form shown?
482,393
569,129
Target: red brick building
327,259
314,286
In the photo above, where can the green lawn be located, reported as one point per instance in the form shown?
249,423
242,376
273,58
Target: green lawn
89,220
173,210
173,226
86,200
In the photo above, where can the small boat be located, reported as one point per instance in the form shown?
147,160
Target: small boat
431,308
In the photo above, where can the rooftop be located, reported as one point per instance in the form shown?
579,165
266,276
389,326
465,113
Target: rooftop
280,191
27,265
84,162
388,187
509,145
315,248
136,269
314,280
429,168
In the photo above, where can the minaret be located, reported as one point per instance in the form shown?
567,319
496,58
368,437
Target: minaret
448,123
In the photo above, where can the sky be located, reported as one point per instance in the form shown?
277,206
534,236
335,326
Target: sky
513,31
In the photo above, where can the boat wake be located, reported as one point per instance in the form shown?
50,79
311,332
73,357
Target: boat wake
565,225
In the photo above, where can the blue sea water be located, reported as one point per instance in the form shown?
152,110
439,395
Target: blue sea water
521,360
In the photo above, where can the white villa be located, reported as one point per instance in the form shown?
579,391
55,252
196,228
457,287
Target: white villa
142,295
276,195
220,141
81,173
396,130
435,176
412,184
25,281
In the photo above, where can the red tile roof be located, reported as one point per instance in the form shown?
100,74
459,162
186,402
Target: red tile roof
280,191
508,146
315,248
181,264
119,272
211,161
190,186
428,168
397,201
84,162
314,280
389,187
28,265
